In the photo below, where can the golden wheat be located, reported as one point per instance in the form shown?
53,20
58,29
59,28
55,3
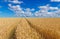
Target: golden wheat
24,31
7,27
30,28
49,28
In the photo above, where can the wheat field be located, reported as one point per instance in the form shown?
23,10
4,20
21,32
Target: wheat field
29,28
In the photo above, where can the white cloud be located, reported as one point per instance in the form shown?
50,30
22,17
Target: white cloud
32,9
28,12
9,5
20,12
44,8
16,1
17,9
53,8
44,11
55,0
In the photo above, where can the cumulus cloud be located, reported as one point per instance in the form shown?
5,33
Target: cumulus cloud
48,11
28,12
55,0
16,9
19,11
45,11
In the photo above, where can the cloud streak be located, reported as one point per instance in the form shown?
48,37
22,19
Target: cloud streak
55,0
16,1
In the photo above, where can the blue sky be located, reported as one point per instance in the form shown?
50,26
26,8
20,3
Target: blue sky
29,8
